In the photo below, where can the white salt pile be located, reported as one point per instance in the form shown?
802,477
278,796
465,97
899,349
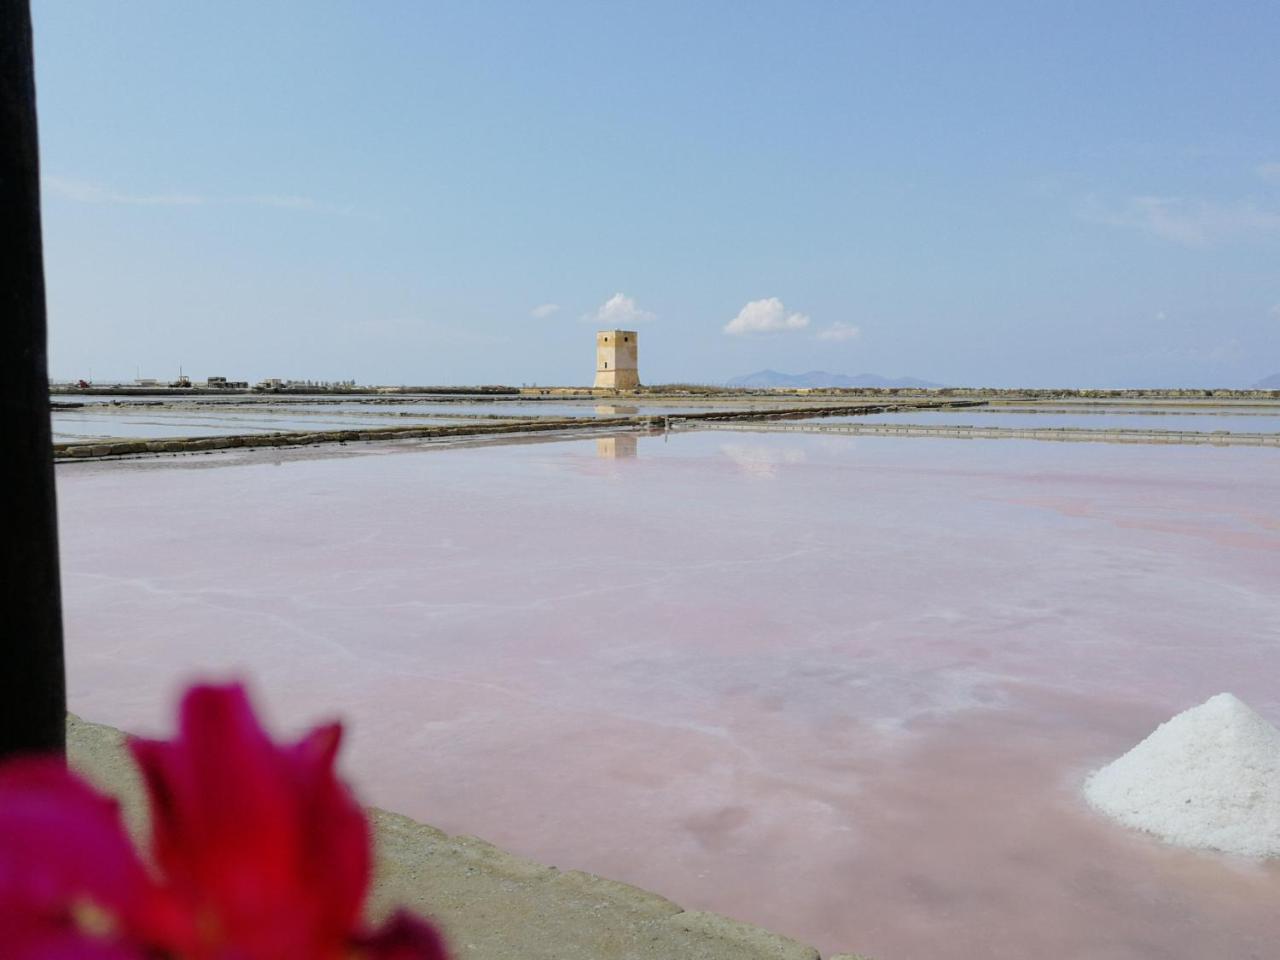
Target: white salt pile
1209,778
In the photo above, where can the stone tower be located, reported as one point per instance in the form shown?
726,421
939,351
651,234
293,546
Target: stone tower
617,367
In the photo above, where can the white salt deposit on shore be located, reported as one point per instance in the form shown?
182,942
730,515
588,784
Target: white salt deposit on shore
1208,778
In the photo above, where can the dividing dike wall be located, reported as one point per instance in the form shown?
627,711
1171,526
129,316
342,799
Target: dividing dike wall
101,449
1078,434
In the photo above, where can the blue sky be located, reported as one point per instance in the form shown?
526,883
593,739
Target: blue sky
1003,194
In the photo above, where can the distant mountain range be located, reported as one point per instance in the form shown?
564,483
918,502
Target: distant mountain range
1268,383
820,378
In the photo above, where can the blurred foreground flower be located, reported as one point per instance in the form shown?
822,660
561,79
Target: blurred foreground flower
258,852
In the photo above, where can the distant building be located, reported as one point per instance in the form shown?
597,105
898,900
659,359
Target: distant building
617,364
277,384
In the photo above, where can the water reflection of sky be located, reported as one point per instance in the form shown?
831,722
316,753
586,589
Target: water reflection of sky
223,417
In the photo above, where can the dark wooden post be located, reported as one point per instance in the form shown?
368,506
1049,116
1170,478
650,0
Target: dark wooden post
32,687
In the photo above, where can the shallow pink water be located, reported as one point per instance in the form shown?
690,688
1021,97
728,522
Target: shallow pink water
845,688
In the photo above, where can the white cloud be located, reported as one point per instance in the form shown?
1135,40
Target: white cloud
1190,222
284,202
542,311
1223,352
840,331
1229,351
619,312
84,191
1269,171
761,461
765,316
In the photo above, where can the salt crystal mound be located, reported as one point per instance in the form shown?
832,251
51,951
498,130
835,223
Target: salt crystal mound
1208,778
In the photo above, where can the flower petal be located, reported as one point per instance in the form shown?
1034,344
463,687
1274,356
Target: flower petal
335,831
71,945
268,848
64,851
403,937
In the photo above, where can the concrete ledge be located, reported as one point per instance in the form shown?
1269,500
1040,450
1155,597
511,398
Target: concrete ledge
611,892
491,904
753,941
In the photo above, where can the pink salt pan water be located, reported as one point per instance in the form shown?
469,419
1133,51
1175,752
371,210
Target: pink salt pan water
846,689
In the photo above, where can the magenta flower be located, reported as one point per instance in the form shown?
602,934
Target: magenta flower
258,852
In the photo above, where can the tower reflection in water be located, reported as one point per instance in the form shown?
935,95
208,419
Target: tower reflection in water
616,448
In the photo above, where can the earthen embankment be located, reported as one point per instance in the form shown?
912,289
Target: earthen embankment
492,905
